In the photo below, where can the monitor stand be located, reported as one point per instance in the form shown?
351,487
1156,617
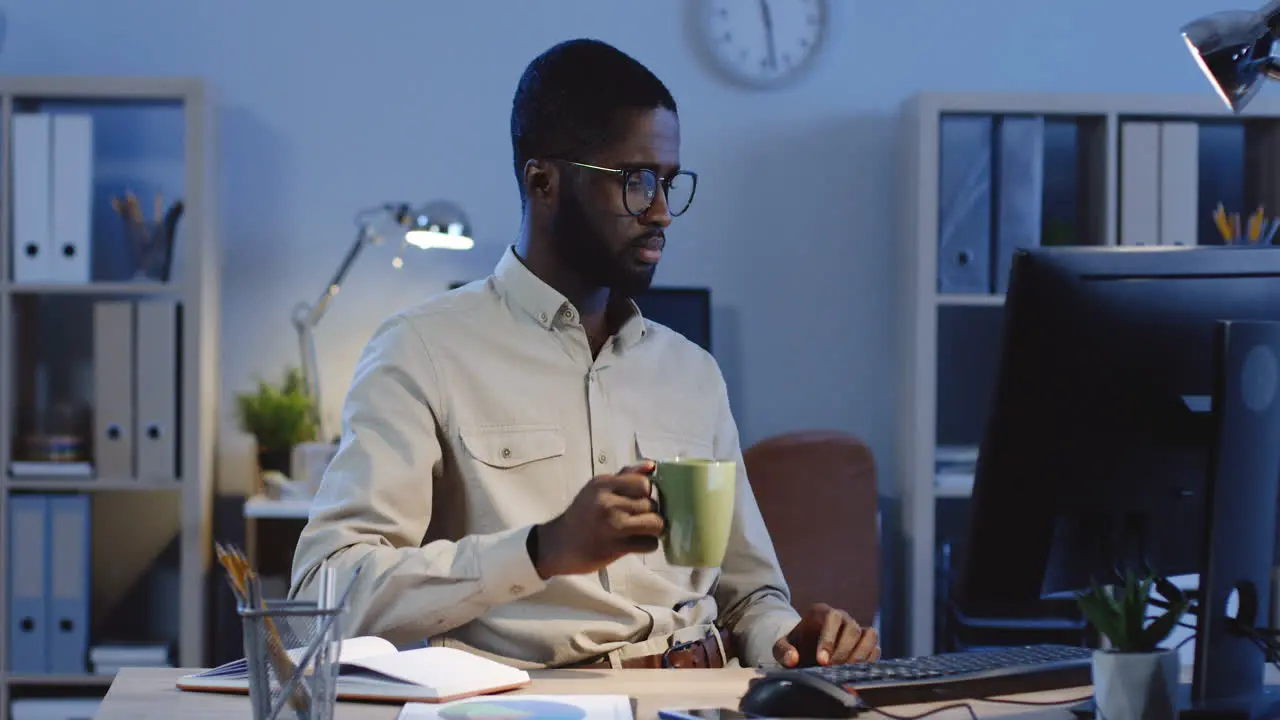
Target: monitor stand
1239,528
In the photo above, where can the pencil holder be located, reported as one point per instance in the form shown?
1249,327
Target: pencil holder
291,654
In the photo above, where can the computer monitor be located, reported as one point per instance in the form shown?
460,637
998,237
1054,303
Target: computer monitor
687,310
1135,422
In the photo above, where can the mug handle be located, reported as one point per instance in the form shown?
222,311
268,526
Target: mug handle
655,495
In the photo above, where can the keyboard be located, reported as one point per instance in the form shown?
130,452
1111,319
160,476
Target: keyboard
961,675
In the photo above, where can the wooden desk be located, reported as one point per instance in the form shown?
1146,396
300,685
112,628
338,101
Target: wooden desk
139,693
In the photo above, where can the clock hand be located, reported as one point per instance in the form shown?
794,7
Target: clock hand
768,29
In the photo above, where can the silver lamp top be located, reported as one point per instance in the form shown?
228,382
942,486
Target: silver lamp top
1236,51
437,224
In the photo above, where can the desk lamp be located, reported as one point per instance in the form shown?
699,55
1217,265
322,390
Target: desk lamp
1236,51
437,224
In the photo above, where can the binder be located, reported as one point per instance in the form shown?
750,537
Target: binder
1140,183
72,198
113,382
964,198
155,431
67,610
1179,183
32,189
27,567
1019,191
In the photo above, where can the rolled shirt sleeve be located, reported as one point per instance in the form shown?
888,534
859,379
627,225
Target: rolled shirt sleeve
374,506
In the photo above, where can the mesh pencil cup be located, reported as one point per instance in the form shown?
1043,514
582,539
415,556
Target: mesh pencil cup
291,653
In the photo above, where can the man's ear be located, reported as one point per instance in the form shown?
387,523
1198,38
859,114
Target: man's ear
541,179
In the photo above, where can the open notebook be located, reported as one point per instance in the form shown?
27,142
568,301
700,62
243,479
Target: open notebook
371,668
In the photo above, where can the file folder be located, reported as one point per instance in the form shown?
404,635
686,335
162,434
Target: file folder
1019,192
27,567
72,198
32,137
965,203
1139,183
157,408
67,629
113,383
1179,183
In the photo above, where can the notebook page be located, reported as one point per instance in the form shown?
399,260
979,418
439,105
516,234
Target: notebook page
446,671
351,649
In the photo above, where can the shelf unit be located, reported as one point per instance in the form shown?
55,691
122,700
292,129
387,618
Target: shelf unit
134,520
1234,159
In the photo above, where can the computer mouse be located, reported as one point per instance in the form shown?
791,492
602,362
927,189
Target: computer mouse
798,694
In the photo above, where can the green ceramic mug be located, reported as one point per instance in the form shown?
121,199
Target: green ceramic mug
695,498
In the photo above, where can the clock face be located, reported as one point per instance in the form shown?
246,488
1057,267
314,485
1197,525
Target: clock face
764,43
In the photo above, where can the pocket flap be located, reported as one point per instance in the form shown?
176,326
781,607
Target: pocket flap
658,446
509,446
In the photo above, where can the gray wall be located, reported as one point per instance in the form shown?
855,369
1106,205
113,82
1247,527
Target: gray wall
327,107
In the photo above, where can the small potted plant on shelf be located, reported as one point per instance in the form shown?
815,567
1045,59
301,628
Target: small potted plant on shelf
278,417
1135,678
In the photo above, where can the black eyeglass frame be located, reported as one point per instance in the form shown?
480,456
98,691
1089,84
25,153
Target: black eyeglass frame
664,183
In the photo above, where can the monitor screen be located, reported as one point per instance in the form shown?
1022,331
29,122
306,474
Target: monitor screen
687,310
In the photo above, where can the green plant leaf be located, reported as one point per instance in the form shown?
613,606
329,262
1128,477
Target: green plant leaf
1120,613
278,416
1098,611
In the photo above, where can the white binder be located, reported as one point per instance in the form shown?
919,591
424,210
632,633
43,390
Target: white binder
72,198
1179,183
157,390
1139,183
32,137
113,383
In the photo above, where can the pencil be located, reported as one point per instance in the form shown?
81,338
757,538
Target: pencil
1220,220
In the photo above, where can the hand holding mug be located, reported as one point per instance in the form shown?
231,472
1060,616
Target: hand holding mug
611,516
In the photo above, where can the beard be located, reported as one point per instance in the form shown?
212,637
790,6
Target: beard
588,251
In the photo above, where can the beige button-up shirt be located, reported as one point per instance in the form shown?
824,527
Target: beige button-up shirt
480,413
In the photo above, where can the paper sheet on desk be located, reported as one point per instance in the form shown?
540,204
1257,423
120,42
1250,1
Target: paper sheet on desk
524,707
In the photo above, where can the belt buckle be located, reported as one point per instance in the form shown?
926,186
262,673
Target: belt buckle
666,654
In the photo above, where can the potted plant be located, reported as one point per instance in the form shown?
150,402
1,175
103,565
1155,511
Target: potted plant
1135,677
278,417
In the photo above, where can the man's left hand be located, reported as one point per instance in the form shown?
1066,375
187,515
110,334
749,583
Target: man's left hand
827,636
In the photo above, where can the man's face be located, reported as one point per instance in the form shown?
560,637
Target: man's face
597,235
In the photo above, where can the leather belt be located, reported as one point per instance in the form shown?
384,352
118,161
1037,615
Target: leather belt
701,653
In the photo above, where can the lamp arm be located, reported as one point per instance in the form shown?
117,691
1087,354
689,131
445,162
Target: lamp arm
307,316
310,366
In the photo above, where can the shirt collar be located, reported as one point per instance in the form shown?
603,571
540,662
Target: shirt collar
546,306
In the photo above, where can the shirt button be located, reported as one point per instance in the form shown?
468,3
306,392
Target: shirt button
568,314
506,452
602,458
517,589
542,317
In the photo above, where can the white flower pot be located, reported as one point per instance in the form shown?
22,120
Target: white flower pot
1136,686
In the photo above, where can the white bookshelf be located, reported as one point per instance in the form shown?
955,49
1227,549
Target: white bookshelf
133,518
1100,121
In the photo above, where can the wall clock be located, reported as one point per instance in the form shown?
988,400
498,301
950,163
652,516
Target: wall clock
762,43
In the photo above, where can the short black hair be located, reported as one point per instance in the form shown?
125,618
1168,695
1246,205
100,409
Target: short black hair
571,97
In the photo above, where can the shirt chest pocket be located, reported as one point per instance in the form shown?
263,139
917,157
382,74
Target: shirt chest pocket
659,446
514,473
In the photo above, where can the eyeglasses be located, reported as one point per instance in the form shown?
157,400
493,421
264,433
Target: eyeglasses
640,187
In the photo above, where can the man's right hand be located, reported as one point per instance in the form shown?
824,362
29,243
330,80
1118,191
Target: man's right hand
612,516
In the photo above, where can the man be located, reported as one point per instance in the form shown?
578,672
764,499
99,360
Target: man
477,486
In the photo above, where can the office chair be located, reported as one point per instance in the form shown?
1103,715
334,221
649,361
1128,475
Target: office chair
817,492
